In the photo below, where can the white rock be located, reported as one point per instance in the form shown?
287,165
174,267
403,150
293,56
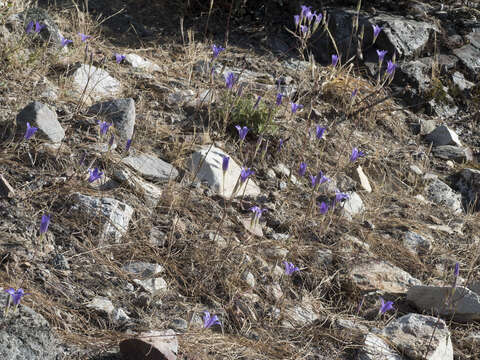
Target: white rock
115,214
151,167
380,275
143,269
153,286
441,194
362,178
119,316
413,333
97,82
151,192
416,242
41,116
101,304
211,172
352,206
299,315
140,63
248,277
375,348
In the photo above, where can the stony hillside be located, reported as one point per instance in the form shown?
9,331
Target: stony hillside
220,187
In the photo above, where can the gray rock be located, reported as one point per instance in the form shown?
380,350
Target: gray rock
142,269
416,170
115,214
468,183
42,117
442,135
153,286
416,243
441,194
121,112
179,325
157,237
151,167
274,291
418,336
161,345
140,63
406,37
49,33
427,126
469,56
26,335
190,98
96,82
416,73
211,172
275,252
464,305
455,153
380,275
101,304
443,109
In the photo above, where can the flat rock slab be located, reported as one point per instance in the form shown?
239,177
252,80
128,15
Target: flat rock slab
151,192
416,243
138,62
153,286
441,194
143,269
151,345
211,172
115,214
101,304
26,335
455,153
464,304
299,315
376,348
352,206
96,82
121,112
412,333
469,56
151,167
45,119
380,275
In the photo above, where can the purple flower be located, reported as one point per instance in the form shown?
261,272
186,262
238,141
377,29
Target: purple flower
356,154
334,60
16,295
318,18
323,207
279,99
217,50
319,132
354,93
245,173
29,28
84,37
242,132
456,272
339,196
391,67
304,29
305,10
225,162
44,224
64,42
127,146
309,15
280,144
376,31
39,27
381,55
119,58
110,142
30,131
209,321
302,169
296,107
385,306
94,175
104,127
296,18
229,80
257,102
257,211
319,179
290,268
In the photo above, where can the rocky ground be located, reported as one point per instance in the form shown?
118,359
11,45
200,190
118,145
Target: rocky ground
120,224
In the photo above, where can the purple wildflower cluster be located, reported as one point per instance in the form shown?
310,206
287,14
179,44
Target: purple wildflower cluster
307,21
